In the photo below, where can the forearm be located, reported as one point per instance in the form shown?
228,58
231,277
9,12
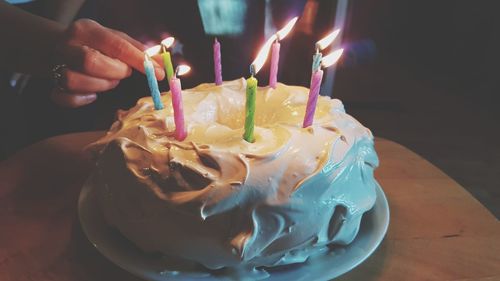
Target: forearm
62,11
28,41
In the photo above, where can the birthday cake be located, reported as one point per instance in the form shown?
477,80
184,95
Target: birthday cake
219,202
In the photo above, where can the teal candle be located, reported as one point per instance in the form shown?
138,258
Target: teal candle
316,64
152,82
320,45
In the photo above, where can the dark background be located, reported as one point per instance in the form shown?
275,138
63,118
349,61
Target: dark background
433,86
421,73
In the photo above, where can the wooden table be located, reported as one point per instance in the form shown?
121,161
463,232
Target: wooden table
438,231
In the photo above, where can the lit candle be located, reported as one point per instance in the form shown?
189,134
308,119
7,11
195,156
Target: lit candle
176,90
150,75
340,19
217,63
275,53
316,65
252,84
167,60
275,58
315,85
321,45
251,90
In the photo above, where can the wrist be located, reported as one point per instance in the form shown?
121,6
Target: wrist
29,41
54,48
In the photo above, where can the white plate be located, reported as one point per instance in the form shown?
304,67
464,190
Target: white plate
110,243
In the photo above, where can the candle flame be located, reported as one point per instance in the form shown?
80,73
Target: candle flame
331,58
153,50
327,40
259,61
168,42
182,69
285,30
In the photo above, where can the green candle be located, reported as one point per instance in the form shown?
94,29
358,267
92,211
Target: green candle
252,89
167,62
250,109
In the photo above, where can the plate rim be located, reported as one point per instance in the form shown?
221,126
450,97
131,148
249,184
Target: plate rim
381,205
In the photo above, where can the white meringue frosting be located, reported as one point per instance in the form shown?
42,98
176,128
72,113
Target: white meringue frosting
221,202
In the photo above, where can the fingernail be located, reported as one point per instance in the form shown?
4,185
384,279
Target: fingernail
156,64
160,73
90,97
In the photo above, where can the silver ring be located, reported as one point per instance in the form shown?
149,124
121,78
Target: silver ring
57,75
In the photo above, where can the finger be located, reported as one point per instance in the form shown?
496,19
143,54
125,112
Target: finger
158,59
64,99
78,82
94,63
129,39
114,46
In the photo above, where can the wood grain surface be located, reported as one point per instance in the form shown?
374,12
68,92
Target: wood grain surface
438,231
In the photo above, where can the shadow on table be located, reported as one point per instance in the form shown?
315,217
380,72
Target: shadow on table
86,263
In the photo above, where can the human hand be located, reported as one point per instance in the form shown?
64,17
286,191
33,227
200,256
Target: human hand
95,59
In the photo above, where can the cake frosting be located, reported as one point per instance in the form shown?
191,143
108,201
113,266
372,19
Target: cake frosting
218,201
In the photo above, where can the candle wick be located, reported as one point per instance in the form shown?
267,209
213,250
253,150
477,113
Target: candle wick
216,41
317,48
252,69
163,48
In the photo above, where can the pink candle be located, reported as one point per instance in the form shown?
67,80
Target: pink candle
176,90
217,63
316,78
275,53
275,58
